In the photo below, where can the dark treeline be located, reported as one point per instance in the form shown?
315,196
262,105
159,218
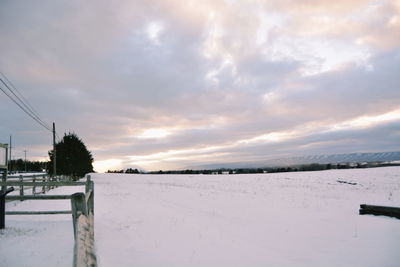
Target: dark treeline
130,170
18,165
294,168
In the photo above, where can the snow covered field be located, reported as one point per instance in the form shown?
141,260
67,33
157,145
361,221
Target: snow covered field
283,219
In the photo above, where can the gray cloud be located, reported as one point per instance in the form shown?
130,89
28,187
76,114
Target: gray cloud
202,76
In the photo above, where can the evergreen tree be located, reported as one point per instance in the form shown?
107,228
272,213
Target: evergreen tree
72,157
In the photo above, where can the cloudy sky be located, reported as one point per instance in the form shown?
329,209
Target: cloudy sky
171,84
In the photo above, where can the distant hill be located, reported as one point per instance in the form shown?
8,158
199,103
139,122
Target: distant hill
339,158
321,159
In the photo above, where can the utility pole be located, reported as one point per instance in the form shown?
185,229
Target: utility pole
10,167
54,150
25,159
4,175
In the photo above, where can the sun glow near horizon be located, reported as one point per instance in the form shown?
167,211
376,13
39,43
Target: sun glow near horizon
108,164
160,159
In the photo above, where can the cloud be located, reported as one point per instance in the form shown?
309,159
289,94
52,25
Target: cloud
170,83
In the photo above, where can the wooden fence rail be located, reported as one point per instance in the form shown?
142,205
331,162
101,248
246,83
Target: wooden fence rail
32,182
38,212
39,197
38,184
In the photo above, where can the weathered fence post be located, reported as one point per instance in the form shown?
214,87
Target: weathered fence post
4,179
21,187
89,190
83,221
87,185
44,186
2,206
90,207
48,180
84,254
34,185
78,206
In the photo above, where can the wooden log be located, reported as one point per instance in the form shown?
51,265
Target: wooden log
38,212
39,197
380,210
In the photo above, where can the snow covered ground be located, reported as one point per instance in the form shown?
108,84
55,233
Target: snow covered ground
283,219
38,240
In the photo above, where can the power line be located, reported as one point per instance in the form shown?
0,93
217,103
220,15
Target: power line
30,115
24,107
24,99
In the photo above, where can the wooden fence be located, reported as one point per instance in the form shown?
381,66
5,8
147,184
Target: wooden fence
38,183
83,221
82,210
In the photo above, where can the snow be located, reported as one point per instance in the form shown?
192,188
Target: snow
282,219
38,240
